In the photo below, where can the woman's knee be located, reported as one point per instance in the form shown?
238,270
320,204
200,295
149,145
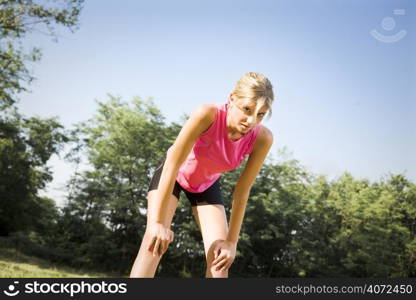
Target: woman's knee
210,257
212,271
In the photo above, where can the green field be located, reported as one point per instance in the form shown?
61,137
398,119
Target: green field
15,264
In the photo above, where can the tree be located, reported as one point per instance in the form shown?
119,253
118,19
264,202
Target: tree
26,144
17,18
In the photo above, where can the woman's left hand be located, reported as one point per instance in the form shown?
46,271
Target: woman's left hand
224,254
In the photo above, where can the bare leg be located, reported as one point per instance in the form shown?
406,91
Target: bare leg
212,222
146,264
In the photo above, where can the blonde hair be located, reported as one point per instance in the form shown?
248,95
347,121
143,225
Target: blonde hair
255,87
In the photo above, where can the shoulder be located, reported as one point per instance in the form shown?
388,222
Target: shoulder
264,138
198,122
205,113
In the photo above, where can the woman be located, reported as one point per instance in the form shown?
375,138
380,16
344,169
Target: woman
215,139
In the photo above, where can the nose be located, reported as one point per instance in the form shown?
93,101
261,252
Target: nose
251,120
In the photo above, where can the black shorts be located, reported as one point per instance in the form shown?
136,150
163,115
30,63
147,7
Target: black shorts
212,195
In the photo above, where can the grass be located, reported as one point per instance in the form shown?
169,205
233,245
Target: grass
14,264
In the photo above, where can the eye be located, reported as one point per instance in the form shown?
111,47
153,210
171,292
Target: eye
261,115
247,109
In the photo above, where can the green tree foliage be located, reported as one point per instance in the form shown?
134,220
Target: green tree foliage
17,18
26,144
347,228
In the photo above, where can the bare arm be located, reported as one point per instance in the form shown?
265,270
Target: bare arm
242,189
200,120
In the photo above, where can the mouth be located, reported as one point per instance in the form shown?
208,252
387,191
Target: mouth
246,128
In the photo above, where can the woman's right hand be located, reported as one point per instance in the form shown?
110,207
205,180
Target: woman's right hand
160,238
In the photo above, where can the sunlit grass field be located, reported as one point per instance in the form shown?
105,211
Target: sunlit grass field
14,264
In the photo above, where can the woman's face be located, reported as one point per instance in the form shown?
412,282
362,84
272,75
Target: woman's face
245,114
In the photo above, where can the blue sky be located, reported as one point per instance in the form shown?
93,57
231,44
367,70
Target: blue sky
345,101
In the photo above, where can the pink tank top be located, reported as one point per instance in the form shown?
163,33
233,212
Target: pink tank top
214,153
